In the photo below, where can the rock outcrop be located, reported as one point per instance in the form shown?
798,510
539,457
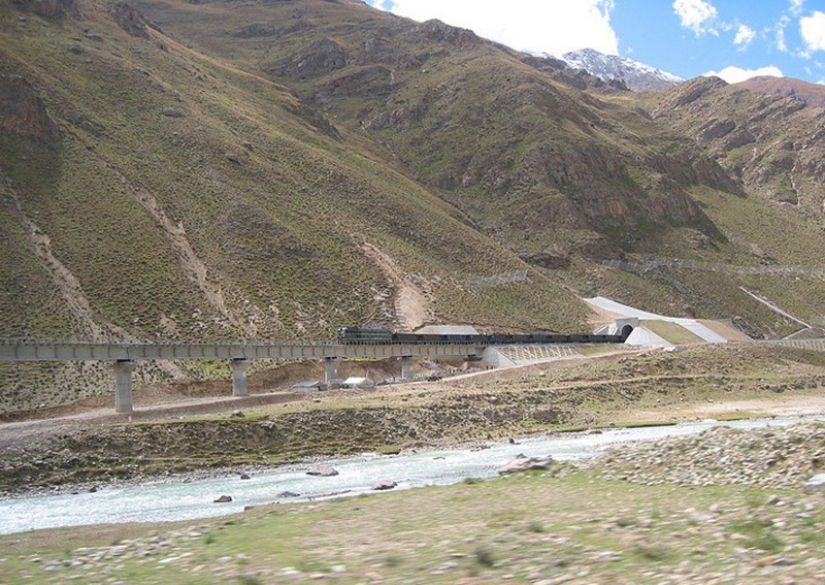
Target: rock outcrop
435,30
23,112
129,19
51,9
322,57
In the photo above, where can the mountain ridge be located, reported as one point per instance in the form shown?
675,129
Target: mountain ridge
812,94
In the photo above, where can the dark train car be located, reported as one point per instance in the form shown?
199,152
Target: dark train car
409,338
541,337
383,335
365,335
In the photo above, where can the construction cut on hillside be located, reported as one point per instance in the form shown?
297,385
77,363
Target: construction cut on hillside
654,330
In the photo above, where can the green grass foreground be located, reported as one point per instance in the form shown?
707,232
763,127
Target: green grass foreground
560,526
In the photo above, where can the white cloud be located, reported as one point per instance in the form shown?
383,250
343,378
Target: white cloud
744,35
796,6
554,26
781,44
696,15
733,74
812,29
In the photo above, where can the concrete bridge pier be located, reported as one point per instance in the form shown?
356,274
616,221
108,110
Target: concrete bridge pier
407,371
123,386
239,381
331,370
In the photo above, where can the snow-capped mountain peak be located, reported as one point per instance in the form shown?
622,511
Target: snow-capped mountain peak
637,76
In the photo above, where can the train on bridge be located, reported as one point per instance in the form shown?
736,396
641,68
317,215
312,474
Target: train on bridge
383,335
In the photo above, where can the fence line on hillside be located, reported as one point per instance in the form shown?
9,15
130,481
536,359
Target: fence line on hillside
655,262
811,344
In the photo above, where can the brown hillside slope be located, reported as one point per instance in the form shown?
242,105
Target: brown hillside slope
772,141
496,137
563,177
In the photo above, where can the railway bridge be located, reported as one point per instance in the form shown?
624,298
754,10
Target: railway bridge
124,354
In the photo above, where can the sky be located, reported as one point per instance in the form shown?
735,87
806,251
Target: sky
733,39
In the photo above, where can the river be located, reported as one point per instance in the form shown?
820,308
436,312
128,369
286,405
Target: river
185,499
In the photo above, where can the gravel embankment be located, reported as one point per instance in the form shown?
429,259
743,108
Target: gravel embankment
776,458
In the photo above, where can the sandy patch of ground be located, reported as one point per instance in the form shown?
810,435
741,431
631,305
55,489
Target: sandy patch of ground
412,309
785,406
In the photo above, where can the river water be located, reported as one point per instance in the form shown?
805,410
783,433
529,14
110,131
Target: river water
185,499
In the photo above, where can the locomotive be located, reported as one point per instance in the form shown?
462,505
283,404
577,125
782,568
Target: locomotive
385,336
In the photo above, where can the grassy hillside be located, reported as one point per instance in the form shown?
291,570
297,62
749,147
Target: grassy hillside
278,170
188,198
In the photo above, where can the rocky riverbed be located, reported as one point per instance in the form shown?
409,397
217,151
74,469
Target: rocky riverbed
722,507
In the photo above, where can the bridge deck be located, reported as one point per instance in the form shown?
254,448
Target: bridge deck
11,350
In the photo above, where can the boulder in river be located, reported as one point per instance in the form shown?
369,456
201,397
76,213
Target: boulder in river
322,470
525,464
223,499
385,484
